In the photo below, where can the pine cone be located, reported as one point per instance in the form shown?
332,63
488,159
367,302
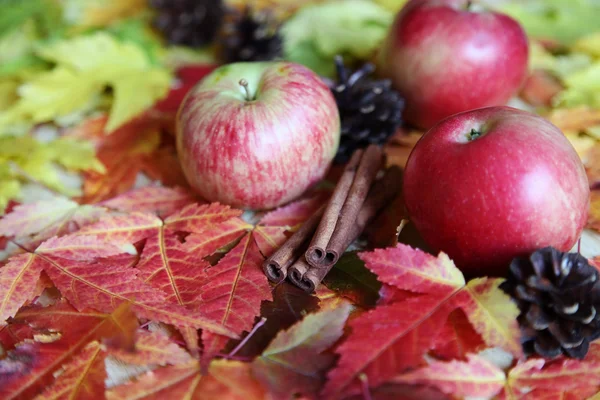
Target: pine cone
192,23
558,295
250,36
370,110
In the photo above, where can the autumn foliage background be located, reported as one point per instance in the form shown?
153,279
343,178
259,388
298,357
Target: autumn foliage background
117,282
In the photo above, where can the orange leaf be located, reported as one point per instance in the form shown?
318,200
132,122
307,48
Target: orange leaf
30,367
540,88
295,361
83,378
574,119
594,215
158,200
474,378
231,380
122,154
152,348
233,291
164,166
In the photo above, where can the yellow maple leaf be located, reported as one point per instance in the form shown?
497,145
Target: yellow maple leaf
10,187
98,13
85,67
25,158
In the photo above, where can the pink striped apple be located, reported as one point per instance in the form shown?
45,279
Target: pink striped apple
257,135
450,56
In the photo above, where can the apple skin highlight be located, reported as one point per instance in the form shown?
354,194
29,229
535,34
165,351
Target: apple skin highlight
446,57
517,187
262,148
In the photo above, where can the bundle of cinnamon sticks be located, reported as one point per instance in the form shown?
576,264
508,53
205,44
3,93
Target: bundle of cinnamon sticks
310,253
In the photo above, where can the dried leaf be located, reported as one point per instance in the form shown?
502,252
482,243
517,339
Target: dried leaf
158,200
82,378
232,293
295,361
31,365
153,348
474,378
225,380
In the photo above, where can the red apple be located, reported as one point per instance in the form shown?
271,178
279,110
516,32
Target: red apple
450,56
257,135
491,184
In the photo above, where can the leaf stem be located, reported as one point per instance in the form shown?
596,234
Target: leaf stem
248,336
364,383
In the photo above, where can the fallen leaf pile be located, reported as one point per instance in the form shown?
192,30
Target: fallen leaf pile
118,282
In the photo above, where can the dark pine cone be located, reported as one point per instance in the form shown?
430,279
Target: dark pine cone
370,110
558,295
250,36
192,23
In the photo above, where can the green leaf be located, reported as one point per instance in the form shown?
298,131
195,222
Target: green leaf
562,20
351,279
354,28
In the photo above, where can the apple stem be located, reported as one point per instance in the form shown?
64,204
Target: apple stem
468,5
244,84
474,134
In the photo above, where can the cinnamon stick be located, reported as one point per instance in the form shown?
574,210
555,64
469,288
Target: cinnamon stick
297,275
276,266
316,249
367,171
380,195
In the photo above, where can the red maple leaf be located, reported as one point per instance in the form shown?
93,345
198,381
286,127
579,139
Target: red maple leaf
396,343
29,368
